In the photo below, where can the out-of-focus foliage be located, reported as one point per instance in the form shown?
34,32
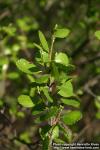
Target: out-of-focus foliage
19,23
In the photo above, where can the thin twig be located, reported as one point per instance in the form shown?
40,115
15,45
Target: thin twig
82,132
51,49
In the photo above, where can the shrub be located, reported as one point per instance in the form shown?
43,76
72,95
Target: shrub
51,97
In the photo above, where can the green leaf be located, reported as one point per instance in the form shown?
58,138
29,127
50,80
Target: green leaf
66,89
55,132
13,75
72,117
44,55
50,113
42,79
31,78
38,47
98,115
61,58
67,132
68,135
71,102
25,101
97,34
61,33
43,41
25,136
38,109
55,71
66,69
46,93
40,50
32,92
44,131
97,102
3,60
45,144
25,66
59,141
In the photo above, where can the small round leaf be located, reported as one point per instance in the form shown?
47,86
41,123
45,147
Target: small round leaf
66,89
61,33
55,132
71,102
25,65
61,58
25,101
97,34
72,117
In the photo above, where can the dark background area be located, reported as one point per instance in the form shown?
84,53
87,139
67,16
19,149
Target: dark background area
20,21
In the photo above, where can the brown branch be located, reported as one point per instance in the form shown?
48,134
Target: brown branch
83,131
4,14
